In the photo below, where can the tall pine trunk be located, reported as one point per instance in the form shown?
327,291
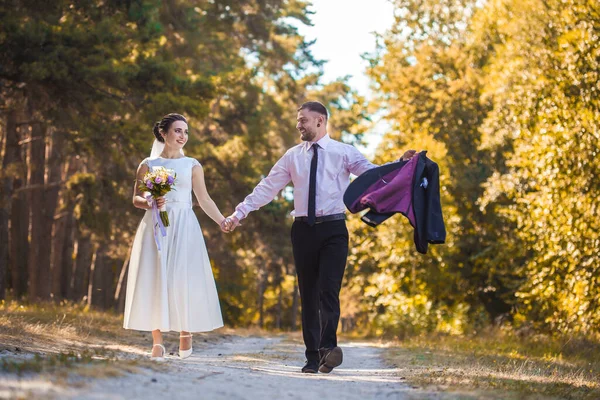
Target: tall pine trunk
63,280
81,266
19,241
120,290
64,238
57,272
262,287
39,285
9,166
19,208
90,286
51,200
101,279
278,280
279,315
19,233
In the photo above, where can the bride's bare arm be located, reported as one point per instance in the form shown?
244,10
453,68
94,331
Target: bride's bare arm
207,204
138,197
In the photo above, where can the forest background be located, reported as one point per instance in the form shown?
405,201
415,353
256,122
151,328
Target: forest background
503,94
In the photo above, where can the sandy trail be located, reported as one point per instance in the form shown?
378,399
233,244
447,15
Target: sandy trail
250,368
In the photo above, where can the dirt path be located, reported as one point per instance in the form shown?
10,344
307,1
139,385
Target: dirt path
259,368
251,368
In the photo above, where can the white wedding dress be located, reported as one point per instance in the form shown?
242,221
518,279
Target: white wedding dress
172,289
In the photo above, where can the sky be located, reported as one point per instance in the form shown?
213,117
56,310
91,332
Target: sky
344,30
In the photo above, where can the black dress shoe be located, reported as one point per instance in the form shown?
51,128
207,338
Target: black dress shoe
311,367
331,358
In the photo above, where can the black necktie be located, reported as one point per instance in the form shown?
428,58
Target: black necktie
312,186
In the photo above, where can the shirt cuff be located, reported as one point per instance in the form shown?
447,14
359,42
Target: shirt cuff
239,215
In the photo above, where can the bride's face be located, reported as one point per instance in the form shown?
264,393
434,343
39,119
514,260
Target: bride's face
177,136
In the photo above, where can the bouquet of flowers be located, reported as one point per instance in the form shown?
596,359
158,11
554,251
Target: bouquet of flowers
157,183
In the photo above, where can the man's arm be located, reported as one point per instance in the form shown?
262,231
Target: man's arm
264,192
358,164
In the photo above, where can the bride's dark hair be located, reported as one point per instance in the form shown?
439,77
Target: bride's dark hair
165,123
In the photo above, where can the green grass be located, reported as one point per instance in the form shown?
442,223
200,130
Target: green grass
499,364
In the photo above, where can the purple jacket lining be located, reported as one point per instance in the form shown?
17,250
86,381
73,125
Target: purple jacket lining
392,193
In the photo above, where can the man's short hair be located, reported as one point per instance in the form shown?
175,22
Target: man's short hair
316,107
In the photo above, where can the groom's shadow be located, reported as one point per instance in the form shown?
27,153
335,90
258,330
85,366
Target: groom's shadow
284,357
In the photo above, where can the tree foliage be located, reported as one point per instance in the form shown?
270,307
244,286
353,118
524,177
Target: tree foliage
511,116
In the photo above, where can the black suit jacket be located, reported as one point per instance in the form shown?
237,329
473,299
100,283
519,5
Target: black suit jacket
429,221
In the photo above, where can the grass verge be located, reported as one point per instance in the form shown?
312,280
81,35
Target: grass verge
67,338
499,364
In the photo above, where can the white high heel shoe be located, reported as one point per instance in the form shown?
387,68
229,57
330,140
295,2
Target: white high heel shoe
185,353
162,357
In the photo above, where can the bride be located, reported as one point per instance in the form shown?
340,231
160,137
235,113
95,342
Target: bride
172,288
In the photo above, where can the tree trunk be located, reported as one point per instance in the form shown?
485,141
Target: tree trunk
81,267
19,215
2,138
91,280
63,240
119,298
57,271
68,252
279,307
62,250
9,164
277,281
101,280
262,287
51,200
261,302
19,240
39,284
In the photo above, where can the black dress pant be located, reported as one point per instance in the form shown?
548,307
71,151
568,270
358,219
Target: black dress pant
320,254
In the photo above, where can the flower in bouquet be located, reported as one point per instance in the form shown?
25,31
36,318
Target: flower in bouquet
157,183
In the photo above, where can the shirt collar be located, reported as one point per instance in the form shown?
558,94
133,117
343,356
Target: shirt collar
323,142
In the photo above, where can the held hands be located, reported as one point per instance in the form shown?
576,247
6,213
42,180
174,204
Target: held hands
229,224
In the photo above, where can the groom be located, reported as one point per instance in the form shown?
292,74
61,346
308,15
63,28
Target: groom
320,169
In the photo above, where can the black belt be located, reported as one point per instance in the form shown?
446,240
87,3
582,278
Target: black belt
325,218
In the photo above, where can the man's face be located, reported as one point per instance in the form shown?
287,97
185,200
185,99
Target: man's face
307,124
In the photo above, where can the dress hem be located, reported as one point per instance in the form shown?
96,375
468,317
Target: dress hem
174,330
